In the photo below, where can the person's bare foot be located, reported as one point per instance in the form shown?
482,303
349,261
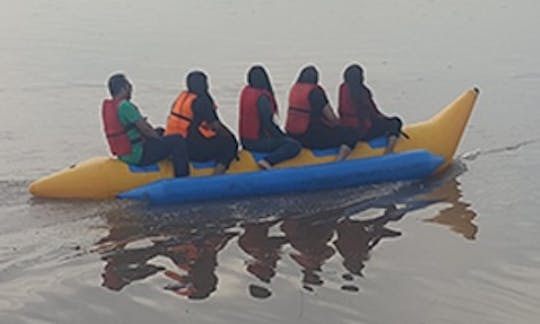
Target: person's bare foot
344,151
219,169
263,164
391,144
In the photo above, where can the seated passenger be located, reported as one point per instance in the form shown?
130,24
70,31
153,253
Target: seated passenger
132,138
358,111
312,121
194,116
258,131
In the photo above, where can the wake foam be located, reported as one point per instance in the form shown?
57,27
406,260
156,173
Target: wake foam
474,154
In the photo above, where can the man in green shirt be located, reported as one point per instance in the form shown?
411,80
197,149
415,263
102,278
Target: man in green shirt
132,138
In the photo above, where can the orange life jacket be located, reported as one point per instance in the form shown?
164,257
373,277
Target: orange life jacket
117,138
181,117
250,123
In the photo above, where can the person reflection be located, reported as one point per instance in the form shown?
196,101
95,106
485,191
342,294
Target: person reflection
265,251
198,260
124,265
130,249
356,238
459,216
127,266
310,240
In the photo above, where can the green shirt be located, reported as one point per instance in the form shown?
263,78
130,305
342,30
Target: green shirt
129,114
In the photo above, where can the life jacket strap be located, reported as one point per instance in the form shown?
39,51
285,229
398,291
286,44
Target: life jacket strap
300,110
177,115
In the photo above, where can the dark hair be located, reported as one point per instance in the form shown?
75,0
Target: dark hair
354,78
197,82
309,74
116,84
354,74
258,78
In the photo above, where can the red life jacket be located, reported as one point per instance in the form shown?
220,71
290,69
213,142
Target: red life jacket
299,113
350,115
119,142
250,123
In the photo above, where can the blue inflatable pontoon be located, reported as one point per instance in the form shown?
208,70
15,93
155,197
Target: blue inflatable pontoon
411,165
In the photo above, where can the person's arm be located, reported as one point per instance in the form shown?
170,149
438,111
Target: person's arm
266,117
217,127
330,115
373,109
132,115
146,129
204,108
321,106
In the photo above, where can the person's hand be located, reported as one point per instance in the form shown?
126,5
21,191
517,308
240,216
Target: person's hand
160,131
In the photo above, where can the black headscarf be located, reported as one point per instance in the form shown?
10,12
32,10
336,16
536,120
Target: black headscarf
308,74
197,83
354,78
258,78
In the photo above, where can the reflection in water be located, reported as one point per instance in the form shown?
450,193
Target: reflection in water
198,259
192,250
355,238
458,216
128,266
310,239
124,266
265,251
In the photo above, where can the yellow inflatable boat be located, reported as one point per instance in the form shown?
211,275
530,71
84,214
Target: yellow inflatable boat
106,177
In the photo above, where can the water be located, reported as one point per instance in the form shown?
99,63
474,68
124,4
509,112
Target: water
459,249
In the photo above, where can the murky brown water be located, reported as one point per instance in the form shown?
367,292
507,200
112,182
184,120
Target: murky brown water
459,249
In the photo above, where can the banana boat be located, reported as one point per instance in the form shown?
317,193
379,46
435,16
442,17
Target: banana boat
429,149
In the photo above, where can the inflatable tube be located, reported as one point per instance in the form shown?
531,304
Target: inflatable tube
412,165
106,177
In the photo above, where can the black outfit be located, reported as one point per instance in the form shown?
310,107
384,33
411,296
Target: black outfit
271,138
173,146
319,135
221,148
383,126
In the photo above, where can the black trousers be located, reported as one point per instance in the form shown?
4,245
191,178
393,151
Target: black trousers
173,146
280,149
383,126
320,136
221,148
